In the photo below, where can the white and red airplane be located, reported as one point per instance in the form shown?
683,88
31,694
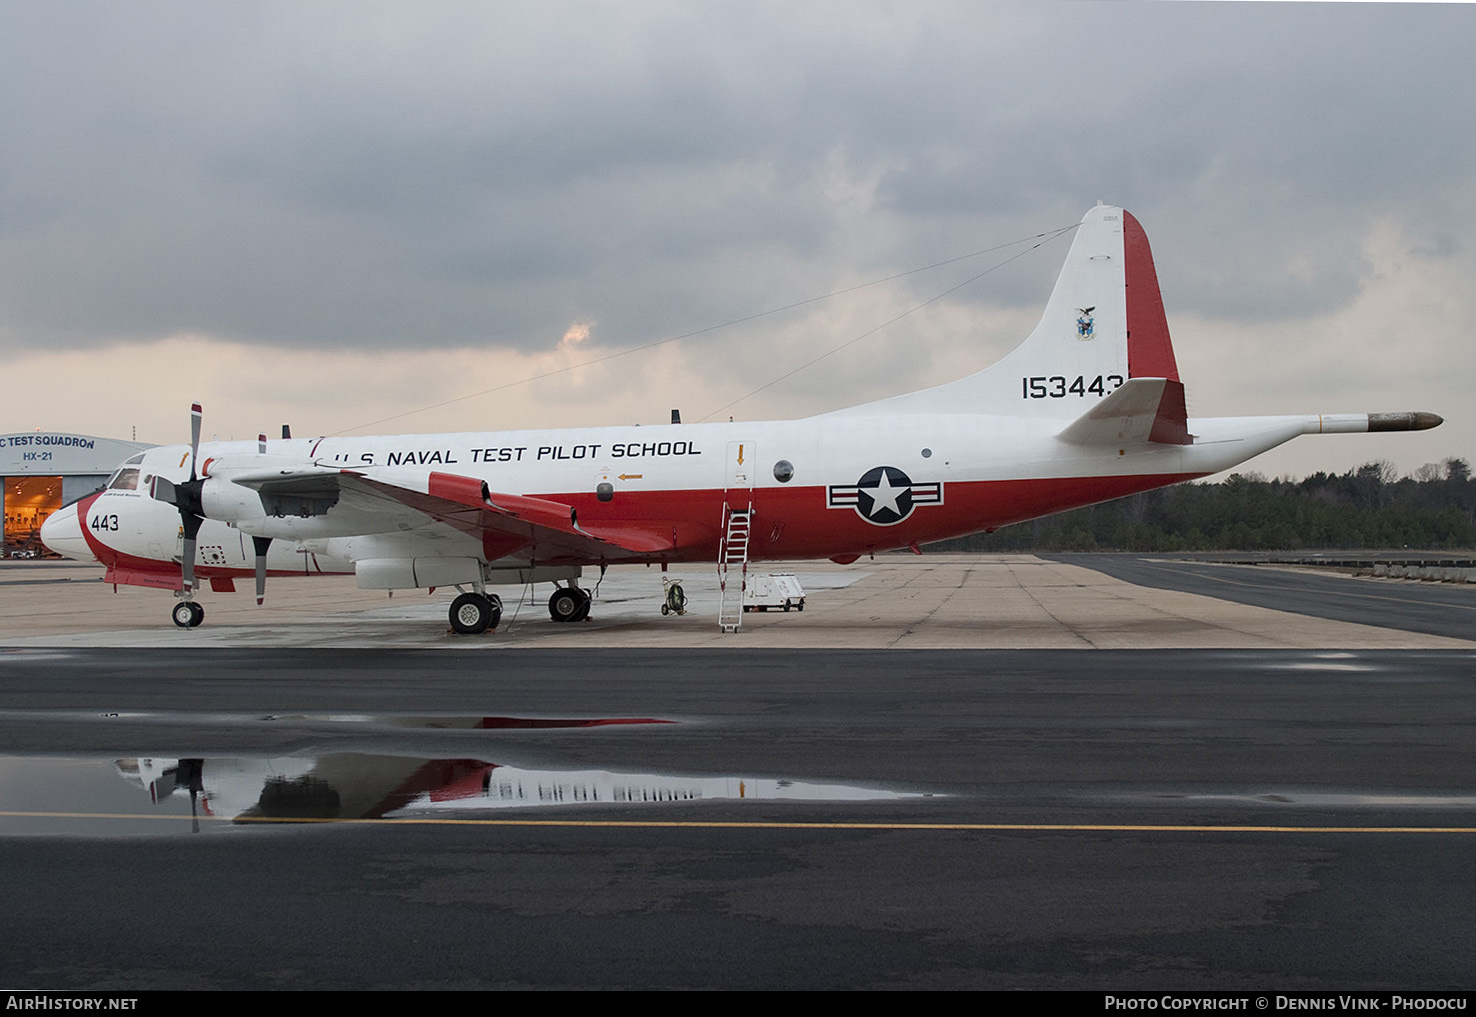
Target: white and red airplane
1088,408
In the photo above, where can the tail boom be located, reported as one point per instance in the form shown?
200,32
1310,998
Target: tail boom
1360,423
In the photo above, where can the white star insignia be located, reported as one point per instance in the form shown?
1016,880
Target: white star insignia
884,495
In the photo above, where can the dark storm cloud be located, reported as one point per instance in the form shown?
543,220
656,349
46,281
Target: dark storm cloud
435,175
1258,136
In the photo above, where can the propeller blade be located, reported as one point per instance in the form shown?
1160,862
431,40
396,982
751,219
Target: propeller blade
163,490
187,560
191,531
195,415
261,544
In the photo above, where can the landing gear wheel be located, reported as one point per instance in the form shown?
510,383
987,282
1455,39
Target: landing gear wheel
586,600
473,613
187,614
567,605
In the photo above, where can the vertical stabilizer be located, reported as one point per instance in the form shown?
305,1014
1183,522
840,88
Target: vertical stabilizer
1104,324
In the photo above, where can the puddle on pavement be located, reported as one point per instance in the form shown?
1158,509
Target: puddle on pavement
365,720
1335,799
88,795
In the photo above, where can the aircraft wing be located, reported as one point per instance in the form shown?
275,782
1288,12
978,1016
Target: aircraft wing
505,523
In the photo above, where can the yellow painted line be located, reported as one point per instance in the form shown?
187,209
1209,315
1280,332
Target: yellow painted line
633,824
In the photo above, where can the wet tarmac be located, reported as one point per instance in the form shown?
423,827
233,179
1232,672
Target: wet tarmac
611,816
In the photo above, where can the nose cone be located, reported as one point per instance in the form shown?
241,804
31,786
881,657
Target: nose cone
62,533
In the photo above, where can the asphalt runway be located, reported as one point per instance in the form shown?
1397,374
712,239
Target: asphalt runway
1165,819
1442,609
540,815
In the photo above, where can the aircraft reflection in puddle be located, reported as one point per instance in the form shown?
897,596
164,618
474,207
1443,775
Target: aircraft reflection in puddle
83,796
360,786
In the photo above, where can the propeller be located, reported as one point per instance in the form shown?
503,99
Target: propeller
186,497
261,544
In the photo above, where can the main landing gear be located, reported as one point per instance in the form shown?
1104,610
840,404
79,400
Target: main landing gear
569,604
474,613
187,614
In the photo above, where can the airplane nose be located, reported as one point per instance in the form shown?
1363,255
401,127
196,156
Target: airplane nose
62,533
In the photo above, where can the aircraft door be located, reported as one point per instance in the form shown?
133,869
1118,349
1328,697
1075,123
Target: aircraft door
739,473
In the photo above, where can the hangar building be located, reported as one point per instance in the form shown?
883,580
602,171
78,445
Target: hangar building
44,470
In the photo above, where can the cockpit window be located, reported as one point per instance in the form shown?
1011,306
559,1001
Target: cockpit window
125,479
135,460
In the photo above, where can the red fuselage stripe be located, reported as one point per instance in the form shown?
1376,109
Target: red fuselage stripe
796,523
789,524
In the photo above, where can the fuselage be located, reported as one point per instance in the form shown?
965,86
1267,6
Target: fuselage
831,486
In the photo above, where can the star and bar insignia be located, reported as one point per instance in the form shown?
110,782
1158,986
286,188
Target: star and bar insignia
884,495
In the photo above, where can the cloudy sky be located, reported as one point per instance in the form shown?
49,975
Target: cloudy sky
381,217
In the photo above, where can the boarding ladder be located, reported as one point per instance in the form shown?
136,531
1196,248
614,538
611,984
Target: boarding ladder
733,553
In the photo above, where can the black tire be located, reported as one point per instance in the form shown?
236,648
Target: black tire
801,605
585,600
665,609
199,613
472,614
184,614
565,605
786,607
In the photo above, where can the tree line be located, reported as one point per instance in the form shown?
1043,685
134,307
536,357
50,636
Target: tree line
1368,508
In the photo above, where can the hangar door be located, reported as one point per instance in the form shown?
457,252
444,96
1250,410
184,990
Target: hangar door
28,501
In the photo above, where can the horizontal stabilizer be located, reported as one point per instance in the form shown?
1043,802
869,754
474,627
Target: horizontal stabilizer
1140,410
